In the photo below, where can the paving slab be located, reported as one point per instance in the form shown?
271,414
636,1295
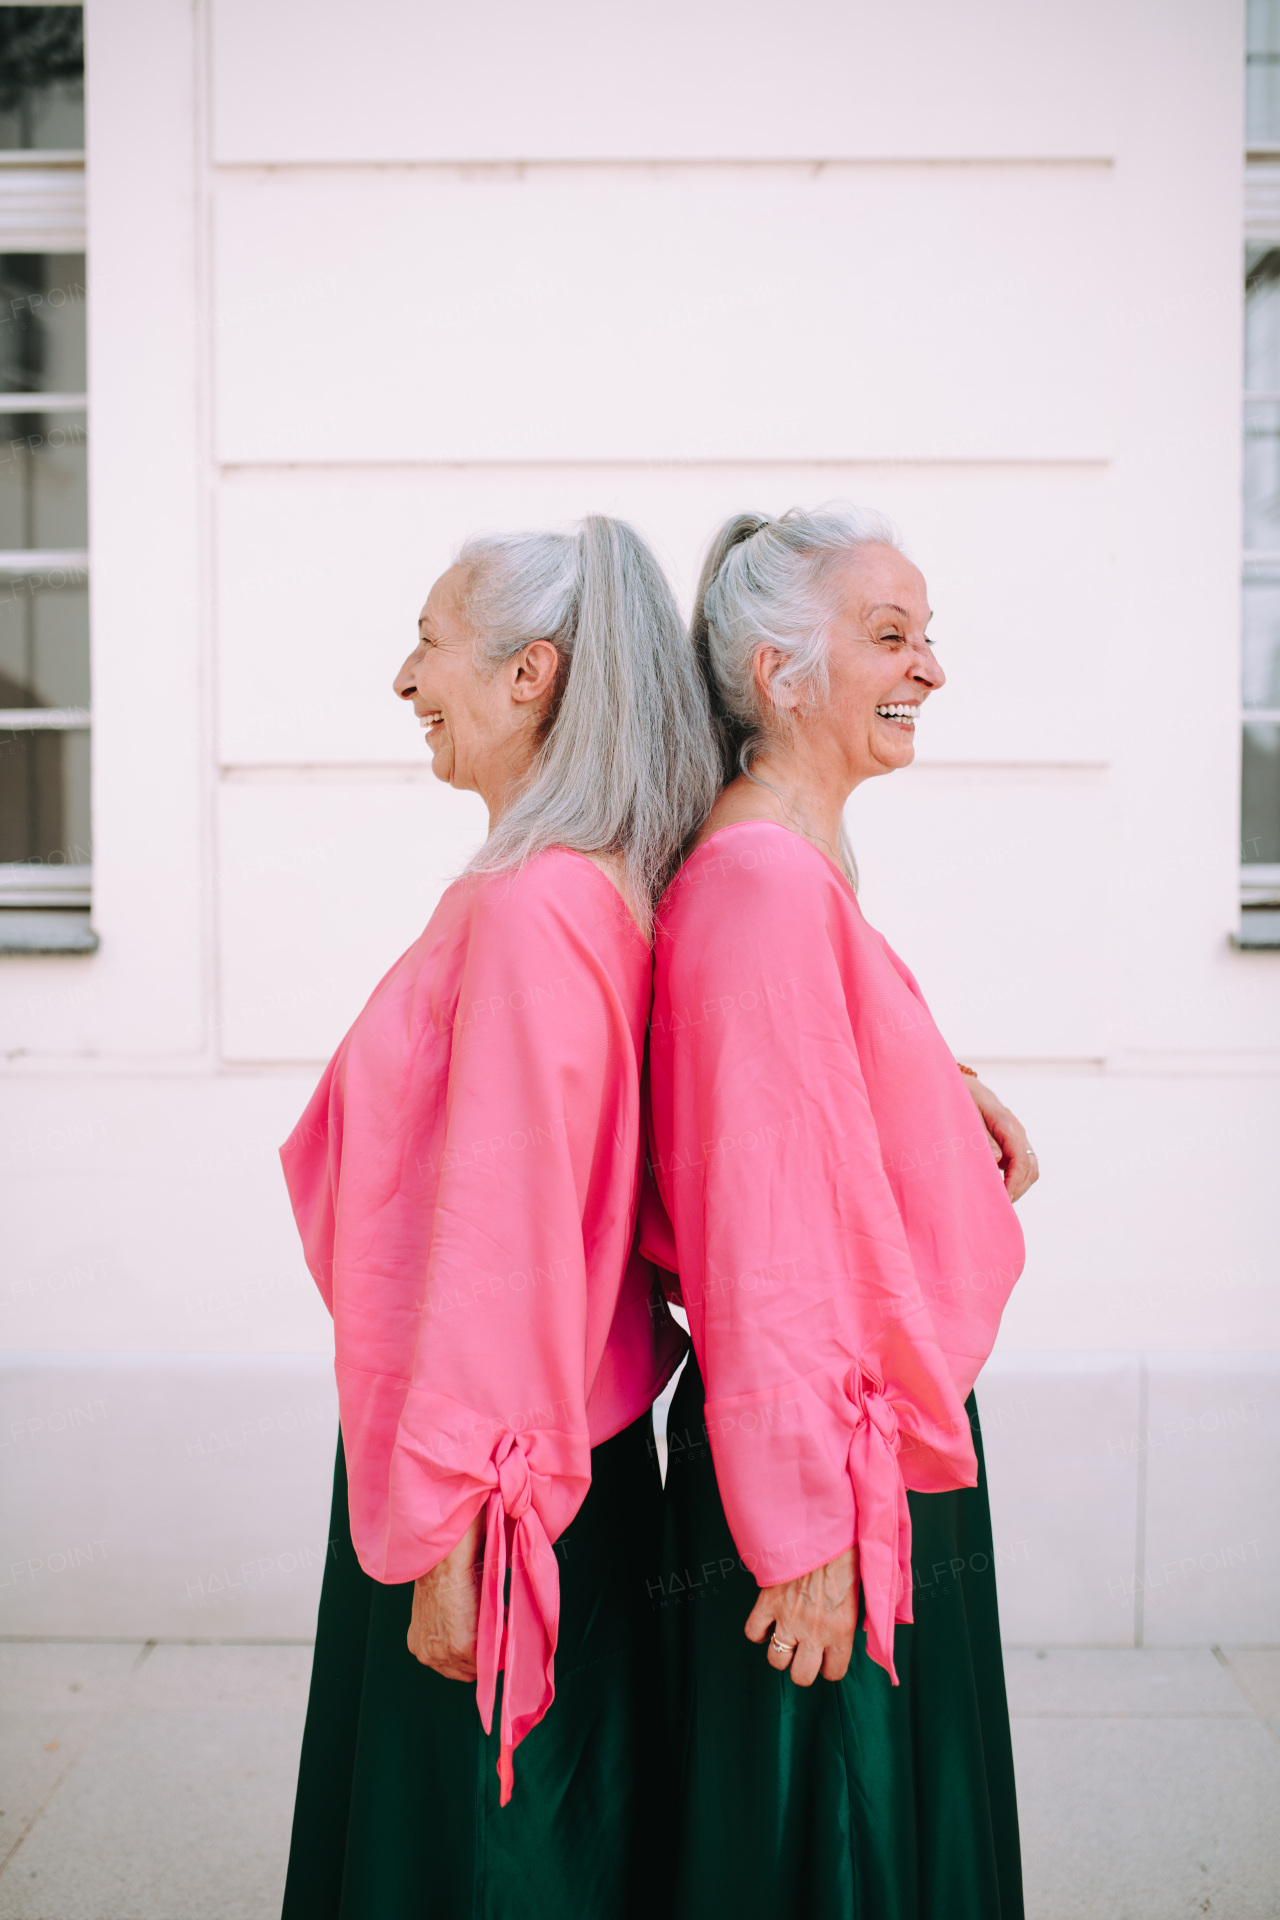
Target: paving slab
1148,1819
1256,1671
59,1673
1120,1680
173,1678
166,1816
37,1747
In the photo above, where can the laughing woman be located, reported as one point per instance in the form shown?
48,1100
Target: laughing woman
845,1244
465,1181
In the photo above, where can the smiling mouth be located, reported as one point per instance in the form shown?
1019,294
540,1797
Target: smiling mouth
427,721
900,711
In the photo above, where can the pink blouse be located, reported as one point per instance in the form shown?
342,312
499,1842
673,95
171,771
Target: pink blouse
842,1234
465,1181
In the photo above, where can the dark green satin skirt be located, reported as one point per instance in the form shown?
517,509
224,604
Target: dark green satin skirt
397,1814
855,1800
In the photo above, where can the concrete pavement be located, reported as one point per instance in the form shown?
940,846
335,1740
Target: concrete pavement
155,1782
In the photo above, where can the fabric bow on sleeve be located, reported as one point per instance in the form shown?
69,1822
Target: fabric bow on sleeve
520,1639
884,1518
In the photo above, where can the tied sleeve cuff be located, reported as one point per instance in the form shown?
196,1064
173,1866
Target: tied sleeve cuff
883,1516
519,1639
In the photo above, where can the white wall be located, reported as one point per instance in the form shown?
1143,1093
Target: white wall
363,288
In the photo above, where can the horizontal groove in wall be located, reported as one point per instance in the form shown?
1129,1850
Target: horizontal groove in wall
885,463
203,1359
515,167
1211,1064
398,773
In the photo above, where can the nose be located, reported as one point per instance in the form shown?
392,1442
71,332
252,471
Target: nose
928,670
405,684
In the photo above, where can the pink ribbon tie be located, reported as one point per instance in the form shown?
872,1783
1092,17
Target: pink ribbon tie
883,1517
520,1642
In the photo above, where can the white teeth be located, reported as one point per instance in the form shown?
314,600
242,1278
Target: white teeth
898,710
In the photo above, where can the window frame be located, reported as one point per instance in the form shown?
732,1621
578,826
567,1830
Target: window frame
44,908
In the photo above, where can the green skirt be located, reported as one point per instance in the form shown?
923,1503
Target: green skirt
397,1814
852,1800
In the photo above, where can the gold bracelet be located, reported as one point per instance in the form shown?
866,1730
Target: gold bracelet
969,1070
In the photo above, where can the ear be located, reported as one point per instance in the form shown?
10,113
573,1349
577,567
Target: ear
536,667
764,666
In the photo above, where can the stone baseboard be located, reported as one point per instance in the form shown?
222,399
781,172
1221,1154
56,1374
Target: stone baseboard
1135,1497
165,1496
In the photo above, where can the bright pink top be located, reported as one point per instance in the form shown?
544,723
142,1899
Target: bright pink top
842,1234
465,1180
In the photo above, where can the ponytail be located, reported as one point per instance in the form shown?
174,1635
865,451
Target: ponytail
731,733
629,762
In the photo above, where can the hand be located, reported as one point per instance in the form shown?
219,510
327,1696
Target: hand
446,1609
1008,1139
814,1615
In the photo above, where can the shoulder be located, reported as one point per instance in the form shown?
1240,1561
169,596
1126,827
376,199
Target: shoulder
752,868
755,902
557,897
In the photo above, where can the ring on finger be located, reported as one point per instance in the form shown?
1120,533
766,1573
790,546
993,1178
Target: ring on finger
783,1646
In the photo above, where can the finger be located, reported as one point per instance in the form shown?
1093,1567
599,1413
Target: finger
1030,1174
1015,1154
760,1620
1022,1172
455,1663
781,1655
835,1661
806,1663
452,1670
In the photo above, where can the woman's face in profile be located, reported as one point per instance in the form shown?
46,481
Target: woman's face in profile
881,667
482,728
455,706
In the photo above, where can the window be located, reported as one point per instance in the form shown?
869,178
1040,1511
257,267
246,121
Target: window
45,826
1260,691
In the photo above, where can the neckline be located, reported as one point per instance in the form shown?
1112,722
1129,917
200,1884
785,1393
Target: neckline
575,853
732,826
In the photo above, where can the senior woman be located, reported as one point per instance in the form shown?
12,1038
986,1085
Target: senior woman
845,1244
465,1180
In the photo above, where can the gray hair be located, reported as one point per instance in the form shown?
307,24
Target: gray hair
765,584
628,760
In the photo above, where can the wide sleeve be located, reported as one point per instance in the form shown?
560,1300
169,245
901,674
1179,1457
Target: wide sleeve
821,1364
536,1169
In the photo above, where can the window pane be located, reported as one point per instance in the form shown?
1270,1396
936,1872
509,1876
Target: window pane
41,77
1262,319
1261,474
1262,74
44,489
42,331
1262,640
44,642
44,797
1260,834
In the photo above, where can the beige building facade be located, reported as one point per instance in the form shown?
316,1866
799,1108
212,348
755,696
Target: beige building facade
359,284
